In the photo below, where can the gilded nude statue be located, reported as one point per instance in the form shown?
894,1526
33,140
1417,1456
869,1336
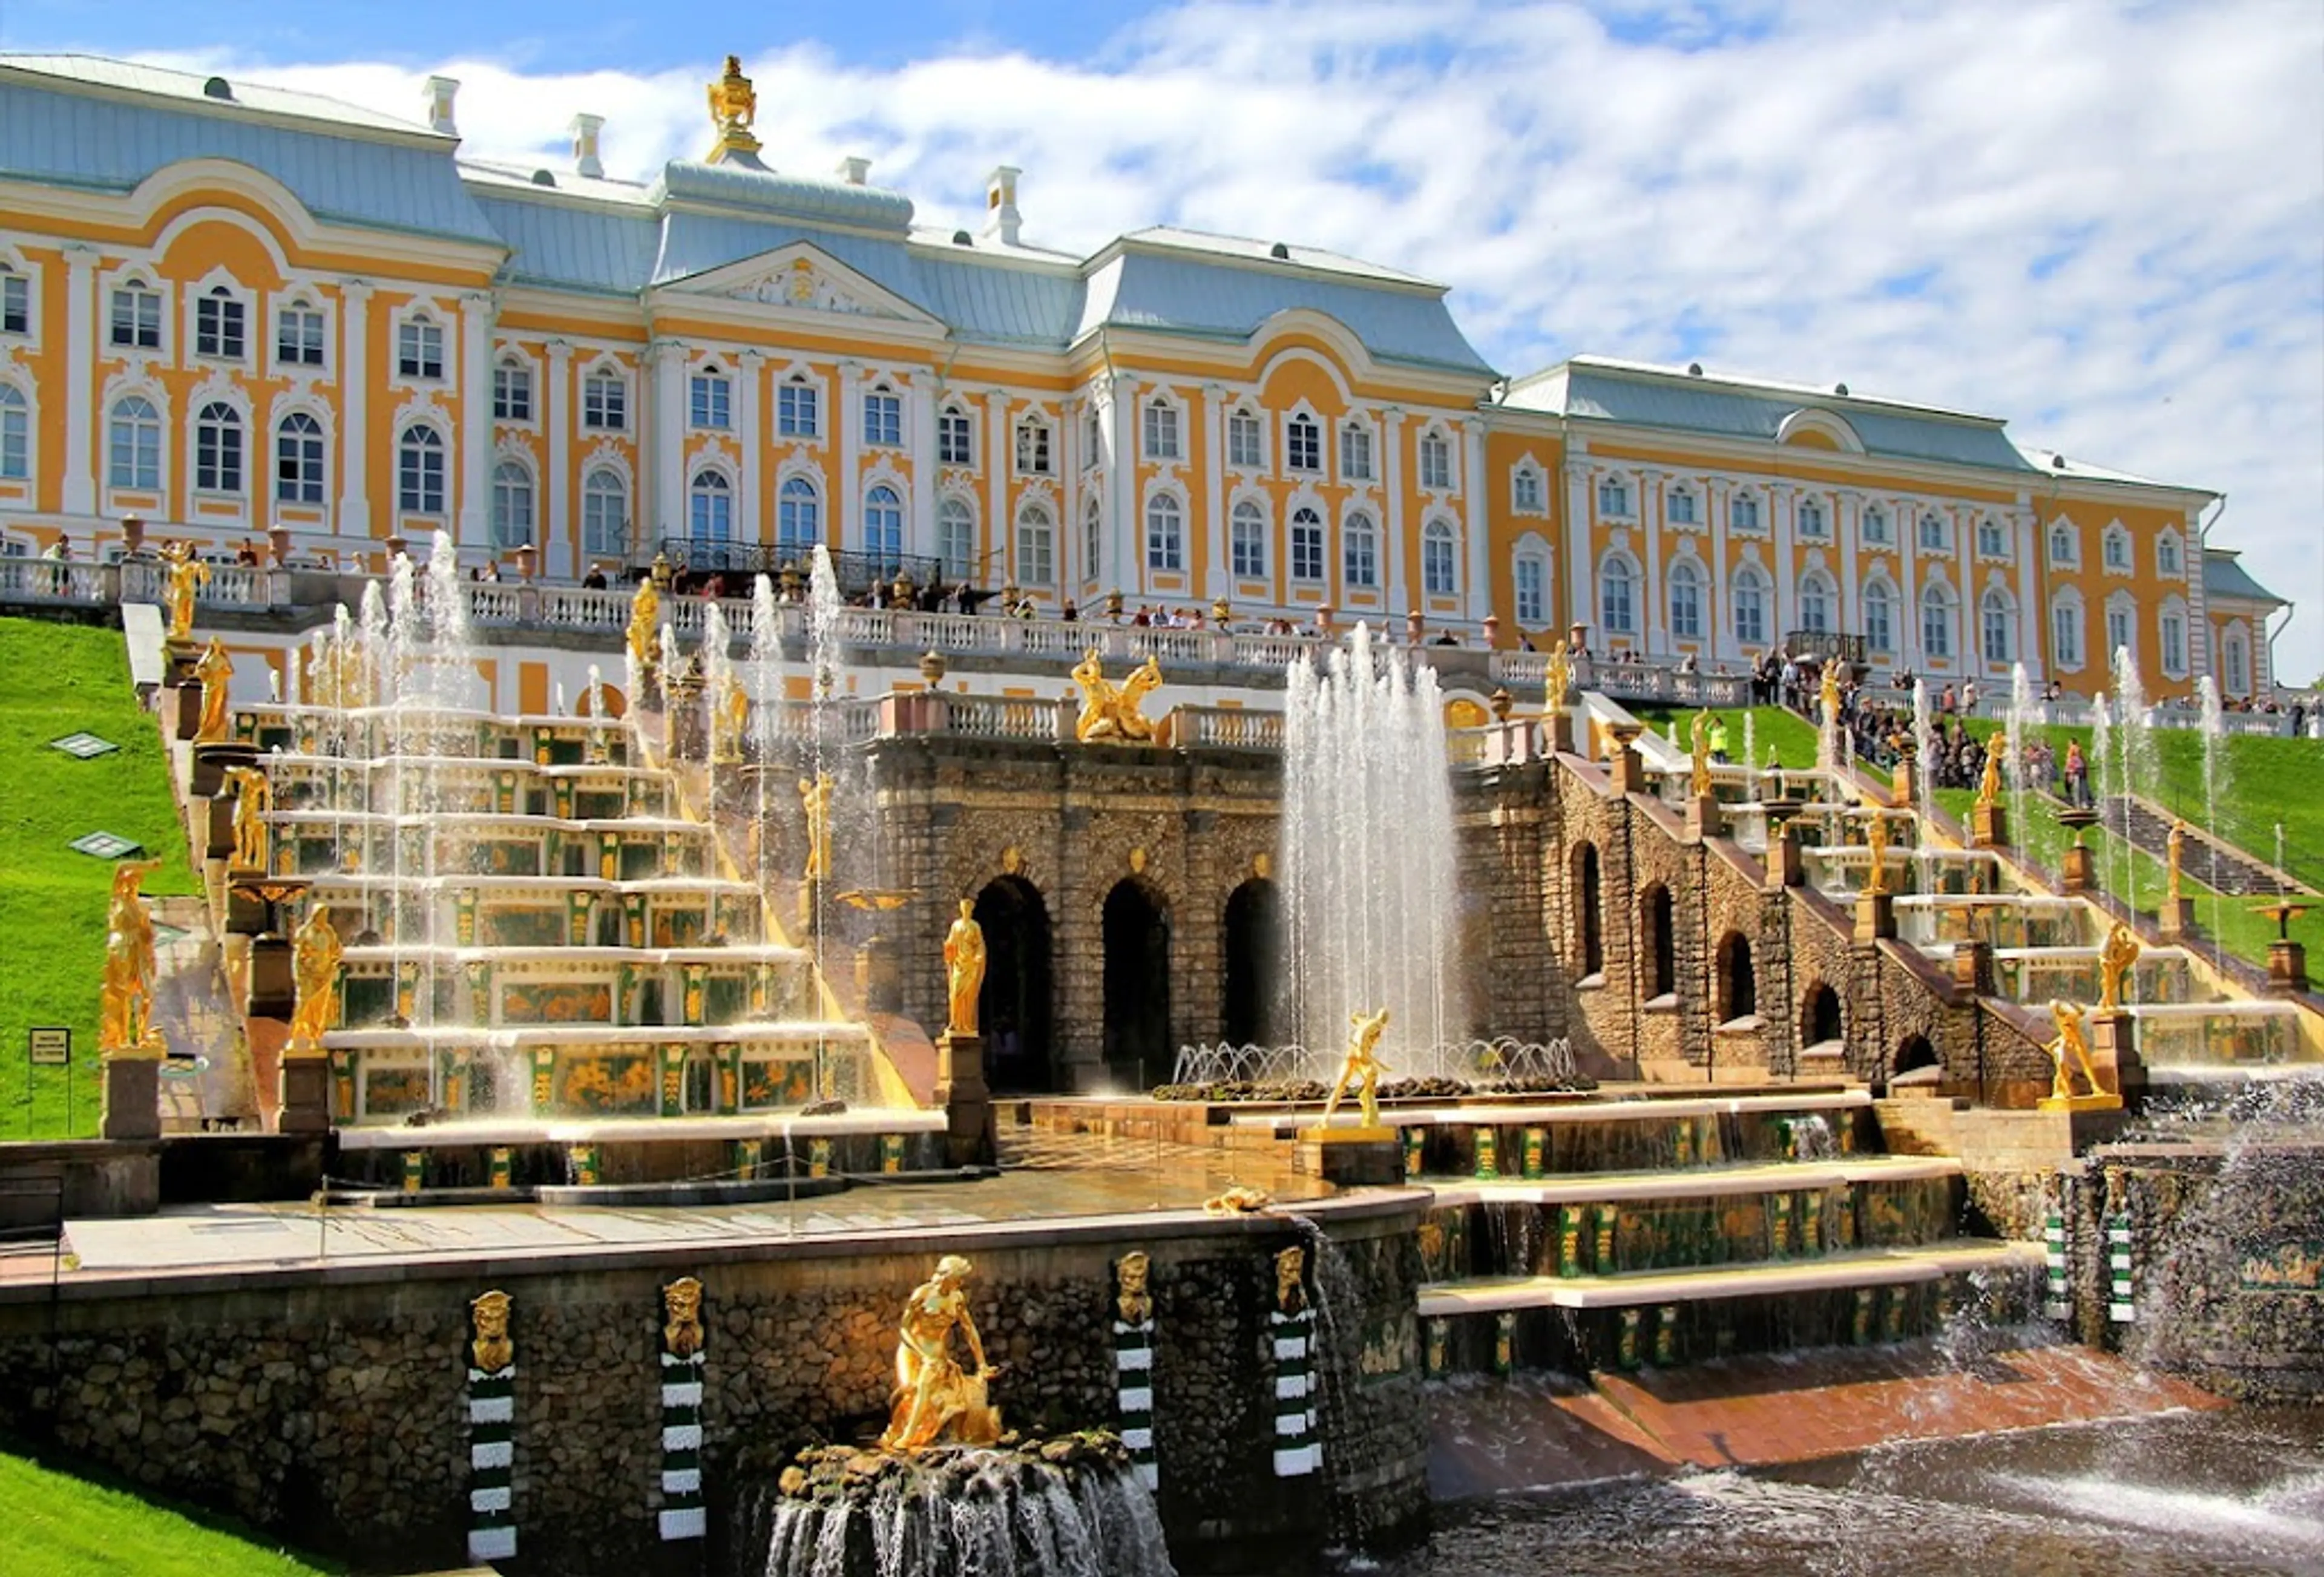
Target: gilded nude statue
2175,850
935,1399
1561,675
187,574
963,956
216,671
2115,960
125,991
254,797
1988,786
1362,1068
315,955
1701,778
2071,1047
814,797
1876,840
1111,711
645,631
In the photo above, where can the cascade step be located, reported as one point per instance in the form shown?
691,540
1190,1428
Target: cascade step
1703,1182
1831,1272
1519,1113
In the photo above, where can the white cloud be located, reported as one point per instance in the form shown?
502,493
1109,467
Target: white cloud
2118,211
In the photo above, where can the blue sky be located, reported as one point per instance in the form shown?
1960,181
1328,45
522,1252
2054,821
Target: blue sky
2104,221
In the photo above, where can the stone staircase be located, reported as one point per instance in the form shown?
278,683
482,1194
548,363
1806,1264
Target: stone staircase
2208,859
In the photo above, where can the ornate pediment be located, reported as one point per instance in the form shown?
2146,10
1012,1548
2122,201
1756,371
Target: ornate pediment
801,283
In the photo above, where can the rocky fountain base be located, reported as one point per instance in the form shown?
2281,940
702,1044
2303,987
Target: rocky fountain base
1066,1507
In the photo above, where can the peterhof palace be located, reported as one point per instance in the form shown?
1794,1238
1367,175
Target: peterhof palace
251,316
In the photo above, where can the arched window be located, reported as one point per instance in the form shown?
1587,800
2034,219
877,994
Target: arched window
2121,628
956,539
1307,545
511,390
1879,617
1737,983
1657,918
1750,606
218,325
604,513
1165,537
2166,555
1439,575
1589,902
1360,551
512,505
1874,529
1304,445
2062,548
2066,633
217,448
1613,497
1994,617
1936,623
1681,508
1093,537
420,347
1247,541
1617,596
1036,549
1525,490
798,517
420,470
1743,512
1812,521
1529,575
1435,461
2235,663
710,508
15,434
298,459
135,444
883,528
1992,540
1815,602
1685,601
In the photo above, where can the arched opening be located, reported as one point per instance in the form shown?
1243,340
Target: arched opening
1739,985
616,703
1915,1053
1254,946
1138,1053
1820,1019
1657,915
1013,1009
1589,926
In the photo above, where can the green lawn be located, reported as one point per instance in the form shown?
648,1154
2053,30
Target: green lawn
1782,738
57,1524
64,678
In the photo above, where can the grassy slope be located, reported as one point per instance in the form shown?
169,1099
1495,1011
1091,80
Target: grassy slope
1781,737
54,1525
59,679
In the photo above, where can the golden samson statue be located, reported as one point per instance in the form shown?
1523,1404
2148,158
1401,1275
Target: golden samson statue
645,631
1111,711
936,1400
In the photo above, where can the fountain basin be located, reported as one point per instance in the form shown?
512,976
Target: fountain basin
1866,1268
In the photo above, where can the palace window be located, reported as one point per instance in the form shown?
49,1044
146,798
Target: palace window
1244,446
1936,623
1165,534
1439,560
709,508
1936,537
1613,497
1360,552
956,539
604,513
299,336
1750,607
883,528
1874,529
1530,576
883,419
798,517
1033,455
710,400
1525,490
1813,523
15,435
2122,629
1743,512
1304,445
1037,552
16,301
136,317
2117,548
511,391
1992,540
1435,461
298,459
1307,545
135,444
1681,506
420,470
1092,436
217,448
512,505
1093,537
2066,633
1685,603
2064,547
1879,617
420,347
218,326
1995,617
955,438
1355,452
1617,596
1161,429
604,403
1247,537
2166,557
2174,644
2235,665
1815,602
798,409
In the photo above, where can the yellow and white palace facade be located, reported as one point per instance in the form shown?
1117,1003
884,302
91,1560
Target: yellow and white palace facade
230,311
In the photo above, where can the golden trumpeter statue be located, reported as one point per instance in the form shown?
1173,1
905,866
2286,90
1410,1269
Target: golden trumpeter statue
963,956
1561,675
186,576
1361,1069
734,106
1988,786
1701,778
644,632
2175,848
315,955
814,797
1876,839
124,1025
1111,711
2115,960
254,797
216,671
2071,1047
935,1399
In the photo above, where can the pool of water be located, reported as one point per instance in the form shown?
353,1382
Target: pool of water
2184,1495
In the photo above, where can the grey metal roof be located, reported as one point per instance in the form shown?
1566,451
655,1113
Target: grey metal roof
566,244
135,77
740,185
997,303
72,139
2223,576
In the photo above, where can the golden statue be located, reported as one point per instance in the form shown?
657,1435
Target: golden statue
1238,1200
315,955
1130,1299
254,797
2175,848
216,671
1291,1280
2069,1046
1561,675
814,796
1362,1068
125,991
934,1398
734,106
1703,723
490,1350
1988,786
1830,691
1111,711
681,1303
963,956
2115,960
1876,839
186,575
644,633
730,720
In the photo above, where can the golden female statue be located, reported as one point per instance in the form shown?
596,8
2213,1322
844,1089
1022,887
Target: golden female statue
2115,960
2175,849
1561,675
1701,781
814,796
315,955
644,633
186,575
216,671
126,992
934,1398
1988,786
1362,1068
963,956
1829,690
1876,839
254,797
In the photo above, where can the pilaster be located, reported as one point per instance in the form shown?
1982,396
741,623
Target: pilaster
665,461
78,495
354,515
475,419
561,539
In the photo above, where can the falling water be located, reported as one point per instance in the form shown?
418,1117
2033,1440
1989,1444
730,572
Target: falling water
824,662
766,690
2098,770
717,642
2134,745
1368,848
1924,783
1750,740
2215,788
2025,716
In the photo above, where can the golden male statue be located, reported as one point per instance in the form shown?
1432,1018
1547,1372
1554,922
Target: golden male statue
216,671
490,1349
1876,839
1291,1280
730,721
1701,780
1828,691
1560,680
1988,786
315,955
1362,1068
125,989
2115,960
187,574
644,633
814,798
254,797
1131,1301
963,956
934,1398
2070,1046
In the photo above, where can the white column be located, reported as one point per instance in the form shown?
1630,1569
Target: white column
560,546
1715,497
1783,500
995,568
355,421
1391,542
846,503
1847,521
665,457
1650,526
475,419
1124,529
1221,580
2029,617
920,534
1477,513
1907,517
1578,568
80,493
750,373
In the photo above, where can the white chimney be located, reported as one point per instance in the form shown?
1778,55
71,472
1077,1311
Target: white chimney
586,128
854,169
439,94
1000,216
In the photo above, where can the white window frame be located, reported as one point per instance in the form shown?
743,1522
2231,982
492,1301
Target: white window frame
1686,576
1618,572
1037,544
407,444
221,294
241,428
1812,509
503,495
297,311
1357,451
1939,613
18,428
1247,535
1529,587
516,390
1298,425
883,418
1997,616
605,403
311,484
1166,534
956,537
20,298
956,437
1310,555
1434,461
1246,440
1161,429
134,286
892,551
419,329
2117,554
1528,492
1992,538
153,436
1876,527
709,503
798,408
1817,592
593,525
709,405
1035,445
1679,509
1880,599
2068,631
1440,558
797,493
1749,619
1744,513
2066,534
1360,551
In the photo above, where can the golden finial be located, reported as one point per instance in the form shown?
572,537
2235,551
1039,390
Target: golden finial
734,106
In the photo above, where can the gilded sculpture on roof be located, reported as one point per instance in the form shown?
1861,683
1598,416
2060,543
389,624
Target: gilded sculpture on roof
734,106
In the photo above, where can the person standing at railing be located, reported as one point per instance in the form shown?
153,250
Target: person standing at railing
60,554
